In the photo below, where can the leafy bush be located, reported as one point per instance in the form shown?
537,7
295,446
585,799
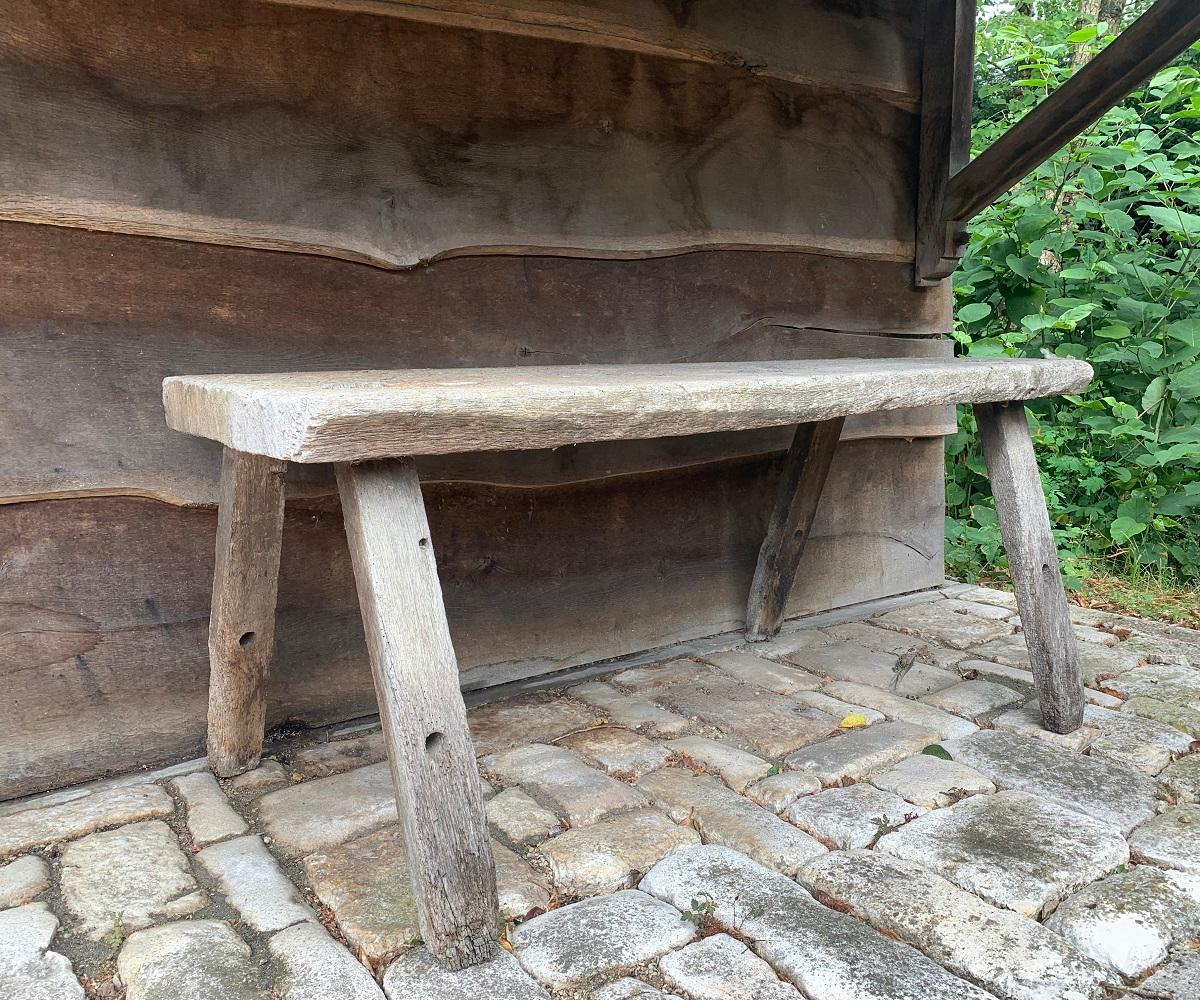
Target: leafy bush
1094,256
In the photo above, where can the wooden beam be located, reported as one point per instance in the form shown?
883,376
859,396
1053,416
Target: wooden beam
1032,562
800,486
1143,48
947,74
422,712
241,630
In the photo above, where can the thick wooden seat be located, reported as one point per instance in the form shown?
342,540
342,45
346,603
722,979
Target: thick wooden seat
354,416
371,424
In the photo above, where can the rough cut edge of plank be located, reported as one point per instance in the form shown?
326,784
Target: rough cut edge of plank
355,416
112,217
607,34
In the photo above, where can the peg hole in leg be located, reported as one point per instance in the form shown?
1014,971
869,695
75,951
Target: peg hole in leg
424,543
246,639
435,744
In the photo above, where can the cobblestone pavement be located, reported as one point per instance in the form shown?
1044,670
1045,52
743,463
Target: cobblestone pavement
801,818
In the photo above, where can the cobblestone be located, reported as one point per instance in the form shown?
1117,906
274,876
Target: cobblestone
954,623
599,938
1182,779
1027,721
23,880
1013,957
947,726
735,767
210,817
778,791
882,640
975,700
632,710
932,782
621,753
1012,849
251,880
1098,788
858,754
28,968
128,878
656,676
1181,717
1143,744
722,968
417,976
337,756
1178,978
851,817
1170,840
559,779
627,988
189,960
270,774
316,967
518,821
749,668
520,889
36,827
826,954
506,724
307,817
613,853
845,661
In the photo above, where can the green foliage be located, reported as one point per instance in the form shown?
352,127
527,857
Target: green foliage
1094,256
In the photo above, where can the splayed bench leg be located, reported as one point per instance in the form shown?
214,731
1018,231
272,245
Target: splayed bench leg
424,719
1032,562
800,485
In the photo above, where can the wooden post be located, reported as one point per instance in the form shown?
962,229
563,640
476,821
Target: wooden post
1032,562
241,625
424,719
800,484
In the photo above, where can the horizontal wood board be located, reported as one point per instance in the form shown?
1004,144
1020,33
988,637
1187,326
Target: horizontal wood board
351,416
104,601
91,323
393,141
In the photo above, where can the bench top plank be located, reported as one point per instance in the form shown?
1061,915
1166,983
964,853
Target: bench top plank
358,415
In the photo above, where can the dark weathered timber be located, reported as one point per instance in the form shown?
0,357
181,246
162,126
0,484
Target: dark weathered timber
1032,562
241,634
947,73
800,485
422,712
1142,49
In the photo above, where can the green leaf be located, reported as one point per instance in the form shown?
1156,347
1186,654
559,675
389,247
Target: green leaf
938,751
1125,528
1114,331
1173,219
1090,179
1185,384
1075,274
973,312
1082,35
1154,393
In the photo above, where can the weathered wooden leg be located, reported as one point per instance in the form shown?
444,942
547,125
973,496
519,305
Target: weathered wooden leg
1032,562
803,478
241,628
424,719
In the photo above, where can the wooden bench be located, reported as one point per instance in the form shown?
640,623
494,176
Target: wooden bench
370,424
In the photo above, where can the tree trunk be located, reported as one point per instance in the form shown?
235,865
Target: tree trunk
1089,14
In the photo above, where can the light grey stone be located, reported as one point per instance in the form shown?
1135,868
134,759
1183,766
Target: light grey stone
767,722
520,889
851,817
368,886
1143,744
23,880
722,968
1170,840
930,781
954,623
613,853
786,643
1094,697
1098,788
1177,683
518,821
990,595
857,754
417,976
210,817
1027,721
826,954
632,710
1010,955
749,668
1096,662
188,960
1182,779
947,726
975,700
620,752
844,661
1013,849
29,970
735,767
656,676
337,756
129,877
558,778
1178,978
315,967
1020,679
1130,920
49,824
837,708
598,938
627,988
883,640
1182,717
724,817
778,791
268,775
254,885
505,724
307,817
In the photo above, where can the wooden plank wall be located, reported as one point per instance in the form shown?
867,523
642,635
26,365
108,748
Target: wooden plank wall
410,133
